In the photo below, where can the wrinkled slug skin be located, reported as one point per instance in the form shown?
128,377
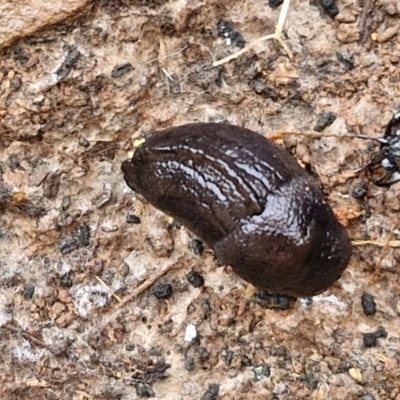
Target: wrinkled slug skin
246,198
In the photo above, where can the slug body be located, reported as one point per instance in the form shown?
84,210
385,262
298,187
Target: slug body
246,198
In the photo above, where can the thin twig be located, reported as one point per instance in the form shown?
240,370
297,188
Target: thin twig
108,288
25,335
146,284
277,35
379,243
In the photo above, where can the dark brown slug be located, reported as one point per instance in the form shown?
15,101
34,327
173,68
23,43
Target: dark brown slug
249,200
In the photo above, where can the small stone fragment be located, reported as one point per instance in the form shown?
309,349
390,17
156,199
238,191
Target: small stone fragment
261,371
197,246
368,304
195,279
324,120
121,69
191,333
143,391
211,393
232,37
275,301
162,291
66,67
189,363
29,291
370,339
358,191
346,59
348,33
388,34
330,7
84,234
132,219
68,246
275,3
356,374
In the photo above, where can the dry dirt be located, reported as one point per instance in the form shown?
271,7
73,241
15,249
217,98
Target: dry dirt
74,97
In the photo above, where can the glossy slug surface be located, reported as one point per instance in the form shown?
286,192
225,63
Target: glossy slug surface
246,198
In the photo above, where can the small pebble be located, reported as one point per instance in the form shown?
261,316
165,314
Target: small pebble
330,7
346,59
121,69
324,120
195,279
68,246
162,291
211,393
275,3
276,301
197,247
348,33
370,339
143,391
132,219
388,34
368,304
66,281
189,363
29,291
261,371
84,234
359,190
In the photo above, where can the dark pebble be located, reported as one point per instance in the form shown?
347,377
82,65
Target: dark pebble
68,246
29,291
229,357
280,302
261,371
370,339
66,281
84,234
275,3
162,291
330,7
197,247
189,363
346,59
368,304
359,190
195,279
121,69
204,354
324,120
130,347
211,393
144,391
132,219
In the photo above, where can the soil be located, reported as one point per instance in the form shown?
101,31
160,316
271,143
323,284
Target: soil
82,256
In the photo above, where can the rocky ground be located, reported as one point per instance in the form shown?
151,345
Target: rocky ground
81,255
